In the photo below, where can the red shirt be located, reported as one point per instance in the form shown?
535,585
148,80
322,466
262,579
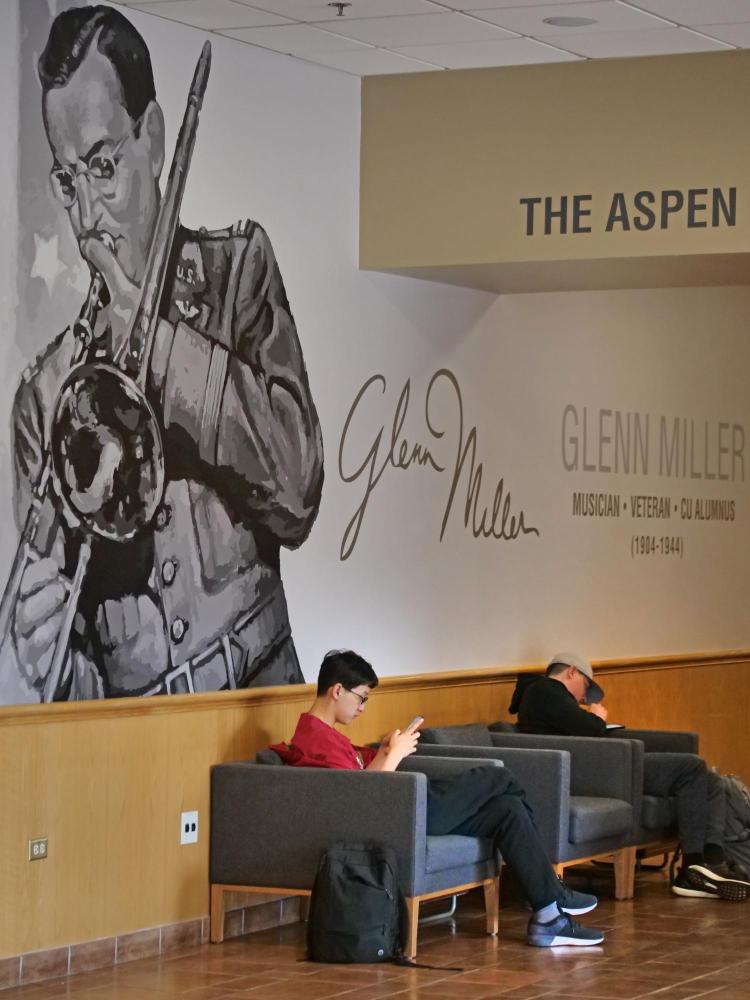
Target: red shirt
316,744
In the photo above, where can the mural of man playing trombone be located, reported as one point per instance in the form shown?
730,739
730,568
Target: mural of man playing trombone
193,601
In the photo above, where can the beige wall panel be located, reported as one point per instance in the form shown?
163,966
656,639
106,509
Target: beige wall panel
710,699
106,783
447,156
140,764
15,818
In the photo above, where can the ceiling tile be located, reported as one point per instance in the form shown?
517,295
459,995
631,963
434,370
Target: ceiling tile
697,12
609,44
424,29
469,55
413,35
294,39
735,34
371,62
609,15
472,5
210,14
319,10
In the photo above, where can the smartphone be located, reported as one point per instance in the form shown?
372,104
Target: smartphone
415,723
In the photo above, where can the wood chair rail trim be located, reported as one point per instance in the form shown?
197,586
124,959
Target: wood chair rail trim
300,694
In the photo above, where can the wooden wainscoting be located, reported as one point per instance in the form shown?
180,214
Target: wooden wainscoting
106,781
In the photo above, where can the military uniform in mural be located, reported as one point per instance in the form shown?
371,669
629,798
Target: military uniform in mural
197,603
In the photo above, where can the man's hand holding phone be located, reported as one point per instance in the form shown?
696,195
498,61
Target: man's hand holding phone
399,744
403,742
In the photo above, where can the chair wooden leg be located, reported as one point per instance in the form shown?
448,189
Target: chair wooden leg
492,905
412,906
625,873
217,914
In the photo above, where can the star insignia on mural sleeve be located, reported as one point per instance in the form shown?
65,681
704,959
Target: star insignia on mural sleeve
47,264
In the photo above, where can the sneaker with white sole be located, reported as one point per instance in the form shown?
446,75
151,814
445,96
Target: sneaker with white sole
682,886
705,879
575,903
561,931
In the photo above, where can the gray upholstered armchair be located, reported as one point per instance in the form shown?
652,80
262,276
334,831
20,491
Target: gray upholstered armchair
270,824
593,810
655,827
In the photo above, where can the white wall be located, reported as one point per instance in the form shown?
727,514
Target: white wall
278,142
9,58
417,604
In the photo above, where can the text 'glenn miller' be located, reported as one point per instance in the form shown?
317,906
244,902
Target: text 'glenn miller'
609,440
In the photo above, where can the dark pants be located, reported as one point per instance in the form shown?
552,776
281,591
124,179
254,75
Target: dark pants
489,802
698,795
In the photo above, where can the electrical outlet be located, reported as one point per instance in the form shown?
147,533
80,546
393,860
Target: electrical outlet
189,827
38,849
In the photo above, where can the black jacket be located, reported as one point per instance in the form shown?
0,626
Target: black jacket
547,707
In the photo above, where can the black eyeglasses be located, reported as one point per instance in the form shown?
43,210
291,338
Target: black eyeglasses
100,171
363,698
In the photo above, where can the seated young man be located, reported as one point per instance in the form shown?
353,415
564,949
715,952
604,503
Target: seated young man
485,802
551,705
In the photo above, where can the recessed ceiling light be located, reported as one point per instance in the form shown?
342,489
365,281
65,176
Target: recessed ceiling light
569,22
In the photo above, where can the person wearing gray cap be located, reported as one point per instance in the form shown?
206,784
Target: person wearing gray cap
552,705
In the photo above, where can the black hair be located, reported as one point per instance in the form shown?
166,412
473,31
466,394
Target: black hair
344,666
556,668
70,39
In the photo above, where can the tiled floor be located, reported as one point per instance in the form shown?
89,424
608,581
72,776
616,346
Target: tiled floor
658,946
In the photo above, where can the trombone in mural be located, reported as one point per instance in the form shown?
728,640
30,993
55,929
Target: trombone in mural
166,444
106,455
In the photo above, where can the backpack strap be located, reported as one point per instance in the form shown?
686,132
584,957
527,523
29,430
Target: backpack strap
411,964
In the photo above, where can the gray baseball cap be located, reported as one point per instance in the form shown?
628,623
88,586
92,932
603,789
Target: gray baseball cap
594,693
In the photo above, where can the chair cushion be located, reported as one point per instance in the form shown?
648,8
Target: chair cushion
594,818
454,851
658,812
474,735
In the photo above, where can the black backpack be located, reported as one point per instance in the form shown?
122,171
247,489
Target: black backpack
357,911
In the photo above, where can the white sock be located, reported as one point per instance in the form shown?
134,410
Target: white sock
547,913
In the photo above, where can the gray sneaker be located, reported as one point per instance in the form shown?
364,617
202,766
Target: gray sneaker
575,903
561,931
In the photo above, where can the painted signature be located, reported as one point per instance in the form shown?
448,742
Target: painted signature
392,449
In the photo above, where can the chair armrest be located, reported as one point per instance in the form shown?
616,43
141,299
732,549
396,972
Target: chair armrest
545,776
598,767
661,740
270,824
446,765
503,727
